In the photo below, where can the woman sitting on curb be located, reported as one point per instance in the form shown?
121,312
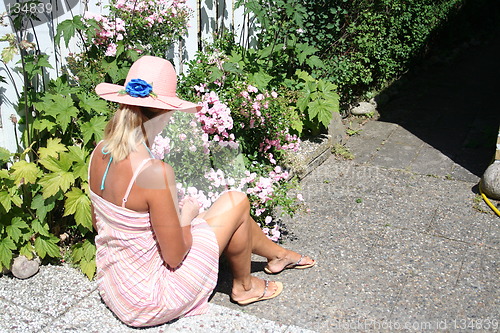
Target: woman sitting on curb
155,264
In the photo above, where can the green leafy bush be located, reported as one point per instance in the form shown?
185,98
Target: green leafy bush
358,45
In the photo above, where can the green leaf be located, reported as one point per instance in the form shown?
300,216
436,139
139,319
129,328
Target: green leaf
4,155
259,79
14,229
91,102
77,253
88,268
42,124
53,182
78,203
40,227
61,108
89,250
53,148
47,245
93,128
25,172
27,250
6,247
315,61
78,157
42,206
322,110
215,74
67,29
5,200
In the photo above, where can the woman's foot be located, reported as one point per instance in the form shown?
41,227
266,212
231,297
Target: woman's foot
289,260
260,290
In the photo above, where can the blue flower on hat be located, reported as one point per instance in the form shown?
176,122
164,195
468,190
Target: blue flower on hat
139,88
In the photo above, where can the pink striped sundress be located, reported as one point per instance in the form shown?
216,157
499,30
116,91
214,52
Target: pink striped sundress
133,279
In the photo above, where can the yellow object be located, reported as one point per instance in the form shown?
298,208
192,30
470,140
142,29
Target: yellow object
488,202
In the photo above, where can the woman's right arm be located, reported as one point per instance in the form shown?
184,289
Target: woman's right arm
173,232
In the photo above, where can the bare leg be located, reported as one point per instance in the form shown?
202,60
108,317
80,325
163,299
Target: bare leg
278,257
233,227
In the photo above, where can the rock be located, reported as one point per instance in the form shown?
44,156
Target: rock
490,183
363,108
23,268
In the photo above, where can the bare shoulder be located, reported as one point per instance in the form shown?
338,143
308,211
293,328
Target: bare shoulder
156,175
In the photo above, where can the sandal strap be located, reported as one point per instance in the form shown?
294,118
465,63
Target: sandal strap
298,262
265,289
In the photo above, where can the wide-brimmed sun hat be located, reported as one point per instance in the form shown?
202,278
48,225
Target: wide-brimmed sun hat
151,82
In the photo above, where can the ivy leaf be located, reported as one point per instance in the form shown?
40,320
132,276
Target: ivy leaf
25,172
54,147
47,245
93,128
14,229
78,203
6,247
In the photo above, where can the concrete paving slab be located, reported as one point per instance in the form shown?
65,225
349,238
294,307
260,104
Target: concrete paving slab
394,155
430,161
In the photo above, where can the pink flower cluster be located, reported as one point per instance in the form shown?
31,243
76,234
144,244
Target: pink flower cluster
215,119
151,12
158,10
292,143
161,147
254,105
111,30
263,187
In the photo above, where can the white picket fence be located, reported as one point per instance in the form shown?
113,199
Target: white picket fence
209,16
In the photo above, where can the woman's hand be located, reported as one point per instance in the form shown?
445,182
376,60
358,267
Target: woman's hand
190,208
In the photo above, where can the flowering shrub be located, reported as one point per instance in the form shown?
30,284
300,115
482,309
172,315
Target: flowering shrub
245,133
148,26
208,161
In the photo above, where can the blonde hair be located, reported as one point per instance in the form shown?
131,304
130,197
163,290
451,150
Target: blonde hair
124,131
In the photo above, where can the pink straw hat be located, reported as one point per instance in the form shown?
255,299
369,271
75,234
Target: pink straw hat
151,82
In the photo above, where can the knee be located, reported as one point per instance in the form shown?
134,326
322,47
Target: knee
238,199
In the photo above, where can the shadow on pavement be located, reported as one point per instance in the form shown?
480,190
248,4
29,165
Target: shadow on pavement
451,102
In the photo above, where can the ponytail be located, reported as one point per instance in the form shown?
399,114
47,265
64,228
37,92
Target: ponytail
124,131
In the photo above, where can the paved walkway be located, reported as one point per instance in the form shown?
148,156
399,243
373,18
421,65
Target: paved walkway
401,240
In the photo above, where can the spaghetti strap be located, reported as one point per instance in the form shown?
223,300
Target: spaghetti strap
134,176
